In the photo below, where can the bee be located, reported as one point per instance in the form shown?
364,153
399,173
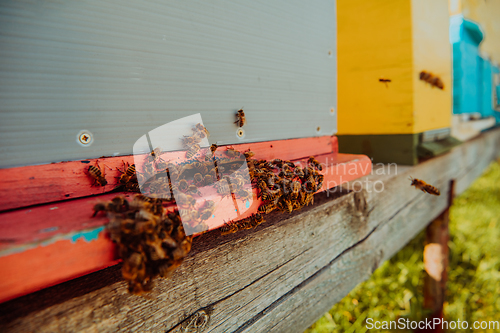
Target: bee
95,173
155,154
193,189
208,179
115,205
229,228
223,187
245,195
314,162
385,81
187,141
424,76
258,218
198,179
201,129
249,154
296,187
183,185
436,82
193,149
132,266
213,148
127,173
148,170
231,152
240,118
207,210
285,204
424,187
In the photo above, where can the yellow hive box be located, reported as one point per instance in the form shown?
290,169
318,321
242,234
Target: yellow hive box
392,40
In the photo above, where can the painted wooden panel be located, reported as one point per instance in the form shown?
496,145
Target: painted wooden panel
432,52
121,68
374,41
392,40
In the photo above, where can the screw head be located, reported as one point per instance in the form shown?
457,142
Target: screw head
240,133
84,138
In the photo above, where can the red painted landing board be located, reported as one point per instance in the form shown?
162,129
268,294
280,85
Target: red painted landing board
32,185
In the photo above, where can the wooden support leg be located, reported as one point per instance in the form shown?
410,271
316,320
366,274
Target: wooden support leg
436,263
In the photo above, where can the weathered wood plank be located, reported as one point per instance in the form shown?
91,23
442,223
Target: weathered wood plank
279,277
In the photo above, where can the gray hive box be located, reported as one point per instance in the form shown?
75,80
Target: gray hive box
118,69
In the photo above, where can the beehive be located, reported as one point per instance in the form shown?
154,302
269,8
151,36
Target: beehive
473,75
392,40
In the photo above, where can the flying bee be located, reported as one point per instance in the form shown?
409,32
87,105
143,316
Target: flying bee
424,187
425,76
193,149
97,175
240,118
115,205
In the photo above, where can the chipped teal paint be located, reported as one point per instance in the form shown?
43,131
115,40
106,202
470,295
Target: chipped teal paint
247,204
88,236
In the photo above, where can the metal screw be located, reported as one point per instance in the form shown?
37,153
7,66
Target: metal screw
85,138
332,110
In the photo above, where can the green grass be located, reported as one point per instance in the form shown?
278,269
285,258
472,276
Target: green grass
395,290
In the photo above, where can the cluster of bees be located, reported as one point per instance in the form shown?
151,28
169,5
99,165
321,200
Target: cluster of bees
281,185
154,240
151,239
432,79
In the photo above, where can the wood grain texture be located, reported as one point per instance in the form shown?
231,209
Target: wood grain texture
279,277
